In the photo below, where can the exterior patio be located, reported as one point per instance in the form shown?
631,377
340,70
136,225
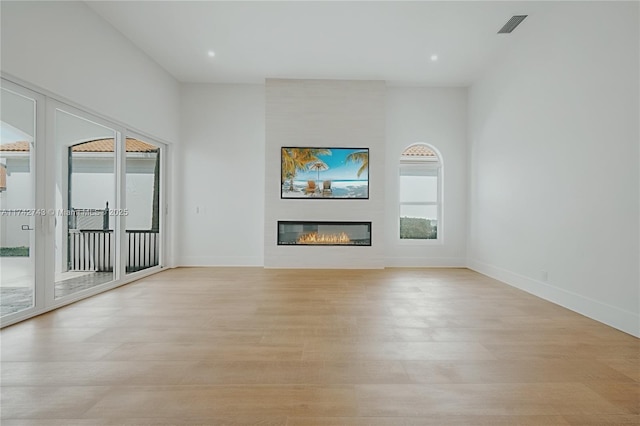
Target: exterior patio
16,288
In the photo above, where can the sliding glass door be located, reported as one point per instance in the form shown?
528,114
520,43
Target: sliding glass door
81,204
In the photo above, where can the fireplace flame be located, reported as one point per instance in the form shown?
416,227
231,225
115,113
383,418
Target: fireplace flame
315,238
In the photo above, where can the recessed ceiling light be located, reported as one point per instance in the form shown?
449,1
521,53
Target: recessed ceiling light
211,53
434,58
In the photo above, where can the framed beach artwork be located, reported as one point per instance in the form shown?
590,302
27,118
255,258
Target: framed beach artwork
324,173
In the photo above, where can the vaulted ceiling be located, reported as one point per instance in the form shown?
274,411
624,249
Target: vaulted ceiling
387,40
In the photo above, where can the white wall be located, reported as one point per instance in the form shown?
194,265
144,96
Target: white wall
554,162
220,168
325,113
67,49
437,116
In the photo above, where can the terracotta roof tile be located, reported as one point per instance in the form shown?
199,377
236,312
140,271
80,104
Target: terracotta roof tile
106,145
21,146
100,145
418,151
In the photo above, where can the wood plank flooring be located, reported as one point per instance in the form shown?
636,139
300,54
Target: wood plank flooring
252,346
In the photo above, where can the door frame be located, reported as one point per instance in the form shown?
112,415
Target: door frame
38,218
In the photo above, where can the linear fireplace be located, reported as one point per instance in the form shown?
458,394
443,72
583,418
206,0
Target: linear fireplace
307,233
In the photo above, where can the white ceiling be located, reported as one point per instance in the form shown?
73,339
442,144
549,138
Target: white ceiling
386,40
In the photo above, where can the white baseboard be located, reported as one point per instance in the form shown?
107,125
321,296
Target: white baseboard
322,262
623,320
422,262
220,261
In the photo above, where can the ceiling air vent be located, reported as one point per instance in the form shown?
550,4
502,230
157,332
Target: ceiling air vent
512,24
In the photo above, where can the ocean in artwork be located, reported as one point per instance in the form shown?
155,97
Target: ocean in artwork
324,172
339,189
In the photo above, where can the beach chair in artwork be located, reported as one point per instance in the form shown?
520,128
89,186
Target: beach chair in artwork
311,187
326,188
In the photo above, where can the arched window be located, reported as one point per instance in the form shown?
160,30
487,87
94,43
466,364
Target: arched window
420,193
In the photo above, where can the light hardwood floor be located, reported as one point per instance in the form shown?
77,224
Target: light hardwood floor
236,346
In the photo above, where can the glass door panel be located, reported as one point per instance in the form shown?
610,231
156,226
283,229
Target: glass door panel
85,193
18,212
143,212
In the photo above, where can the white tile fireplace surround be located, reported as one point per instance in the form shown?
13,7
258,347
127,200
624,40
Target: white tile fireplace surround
324,113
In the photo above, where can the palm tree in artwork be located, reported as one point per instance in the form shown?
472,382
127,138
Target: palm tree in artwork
359,157
297,159
290,163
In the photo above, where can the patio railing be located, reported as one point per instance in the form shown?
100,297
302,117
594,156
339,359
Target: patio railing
143,250
93,250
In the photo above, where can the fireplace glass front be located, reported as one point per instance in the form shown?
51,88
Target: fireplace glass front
324,233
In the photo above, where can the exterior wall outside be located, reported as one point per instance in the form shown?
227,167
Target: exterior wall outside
84,185
18,195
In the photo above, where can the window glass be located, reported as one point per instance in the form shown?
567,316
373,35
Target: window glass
419,193
143,204
418,189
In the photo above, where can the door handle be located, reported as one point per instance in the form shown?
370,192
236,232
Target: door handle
26,228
